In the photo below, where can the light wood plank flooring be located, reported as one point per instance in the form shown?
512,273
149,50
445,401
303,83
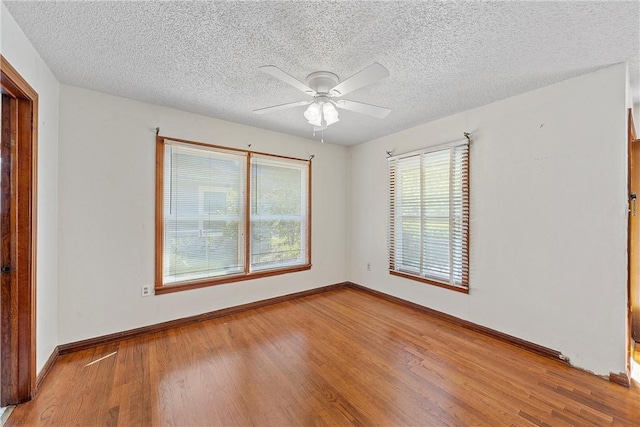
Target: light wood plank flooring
343,357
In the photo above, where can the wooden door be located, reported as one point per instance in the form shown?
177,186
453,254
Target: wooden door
7,242
18,157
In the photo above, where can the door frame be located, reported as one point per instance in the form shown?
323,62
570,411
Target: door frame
18,297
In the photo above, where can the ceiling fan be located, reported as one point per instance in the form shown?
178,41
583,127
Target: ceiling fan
326,87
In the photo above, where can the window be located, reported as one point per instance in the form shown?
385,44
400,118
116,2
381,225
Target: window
429,216
278,212
225,215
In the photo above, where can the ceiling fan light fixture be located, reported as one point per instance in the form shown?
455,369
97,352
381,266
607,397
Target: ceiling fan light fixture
313,114
330,113
316,121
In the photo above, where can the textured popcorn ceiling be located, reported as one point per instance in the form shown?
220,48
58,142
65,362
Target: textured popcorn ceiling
443,57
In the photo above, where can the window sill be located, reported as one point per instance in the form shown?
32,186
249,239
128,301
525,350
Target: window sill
461,289
203,283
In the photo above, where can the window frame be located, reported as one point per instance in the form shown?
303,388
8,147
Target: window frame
393,224
247,274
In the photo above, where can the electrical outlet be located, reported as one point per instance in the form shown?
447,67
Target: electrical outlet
146,290
368,266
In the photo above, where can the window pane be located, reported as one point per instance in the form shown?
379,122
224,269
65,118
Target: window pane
203,220
436,183
410,241
410,189
436,248
435,170
214,202
408,208
278,213
275,243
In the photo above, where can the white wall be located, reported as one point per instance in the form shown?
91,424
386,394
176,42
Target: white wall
17,49
548,217
107,188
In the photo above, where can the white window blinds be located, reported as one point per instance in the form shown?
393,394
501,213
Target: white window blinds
279,198
429,214
204,192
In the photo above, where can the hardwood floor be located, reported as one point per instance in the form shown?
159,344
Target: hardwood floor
343,357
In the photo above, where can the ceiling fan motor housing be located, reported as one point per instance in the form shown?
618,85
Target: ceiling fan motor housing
322,81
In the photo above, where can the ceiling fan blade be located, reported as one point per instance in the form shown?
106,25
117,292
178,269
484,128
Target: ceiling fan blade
281,75
359,107
280,107
373,73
